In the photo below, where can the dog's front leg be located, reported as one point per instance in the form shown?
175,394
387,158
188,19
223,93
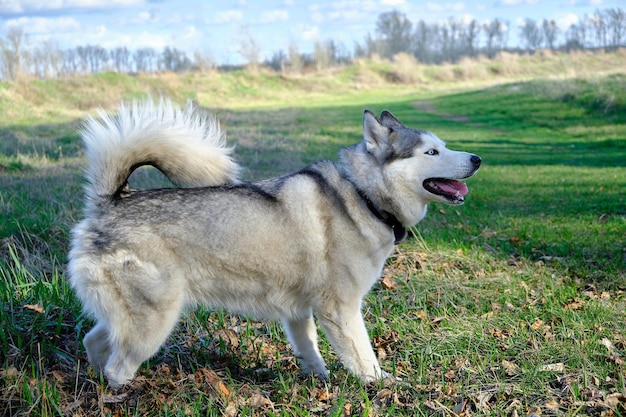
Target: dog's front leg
346,331
302,335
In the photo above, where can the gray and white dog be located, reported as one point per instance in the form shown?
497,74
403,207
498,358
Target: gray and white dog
309,242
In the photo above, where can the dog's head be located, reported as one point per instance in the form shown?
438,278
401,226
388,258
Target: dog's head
417,164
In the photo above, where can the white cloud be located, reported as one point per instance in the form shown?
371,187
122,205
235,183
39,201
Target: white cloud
42,25
445,7
145,16
274,16
227,16
392,2
38,6
517,2
308,32
565,20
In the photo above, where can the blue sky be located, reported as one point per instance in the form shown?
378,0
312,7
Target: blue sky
218,27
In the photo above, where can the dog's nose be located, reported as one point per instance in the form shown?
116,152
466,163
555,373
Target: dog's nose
476,160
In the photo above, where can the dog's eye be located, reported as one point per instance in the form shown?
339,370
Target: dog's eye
432,152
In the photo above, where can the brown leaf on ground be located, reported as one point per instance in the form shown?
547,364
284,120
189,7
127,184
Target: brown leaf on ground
258,400
510,368
210,378
388,283
37,308
575,305
552,367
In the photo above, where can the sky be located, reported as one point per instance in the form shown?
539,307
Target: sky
219,28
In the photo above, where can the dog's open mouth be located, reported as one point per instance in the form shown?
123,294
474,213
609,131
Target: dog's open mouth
452,190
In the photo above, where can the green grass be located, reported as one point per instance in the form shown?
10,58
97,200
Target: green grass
509,305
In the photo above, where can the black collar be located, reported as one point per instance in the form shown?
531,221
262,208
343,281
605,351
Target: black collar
399,231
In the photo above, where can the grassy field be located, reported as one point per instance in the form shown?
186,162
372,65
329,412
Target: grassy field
513,304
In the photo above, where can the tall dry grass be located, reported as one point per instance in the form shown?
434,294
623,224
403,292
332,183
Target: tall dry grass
505,66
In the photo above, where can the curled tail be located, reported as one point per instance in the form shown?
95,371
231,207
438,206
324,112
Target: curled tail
187,147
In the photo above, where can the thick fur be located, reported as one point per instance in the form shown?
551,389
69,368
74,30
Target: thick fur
310,242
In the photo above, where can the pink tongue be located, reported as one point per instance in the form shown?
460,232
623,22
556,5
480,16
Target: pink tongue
453,187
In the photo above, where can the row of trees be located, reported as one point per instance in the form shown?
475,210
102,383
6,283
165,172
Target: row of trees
395,33
454,39
47,60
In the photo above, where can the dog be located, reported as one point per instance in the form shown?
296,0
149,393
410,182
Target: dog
312,242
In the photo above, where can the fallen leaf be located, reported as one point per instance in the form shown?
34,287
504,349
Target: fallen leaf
210,378
437,320
388,283
552,367
322,394
576,305
551,405
258,400
614,399
488,233
430,405
37,308
58,376
114,399
231,410
488,315
482,401
510,368
421,315
608,345
537,324
228,337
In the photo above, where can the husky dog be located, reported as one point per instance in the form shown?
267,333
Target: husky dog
310,242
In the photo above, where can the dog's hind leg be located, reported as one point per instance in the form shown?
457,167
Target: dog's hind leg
138,339
98,345
346,331
302,334
142,304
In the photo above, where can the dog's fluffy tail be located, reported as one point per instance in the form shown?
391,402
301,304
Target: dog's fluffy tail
189,148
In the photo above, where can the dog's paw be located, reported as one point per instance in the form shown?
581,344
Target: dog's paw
314,367
380,376
321,374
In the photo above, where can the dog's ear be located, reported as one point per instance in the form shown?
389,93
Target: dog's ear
376,136
389,120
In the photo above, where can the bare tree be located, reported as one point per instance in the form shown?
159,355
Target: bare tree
531,35
144,59
70,62
550,31
249,49
173,59
470,38
599,26
121,59
325,54
576,35
449,38
616,23
395,31
296,61
83,59
424,41
203,60
495,32
12,53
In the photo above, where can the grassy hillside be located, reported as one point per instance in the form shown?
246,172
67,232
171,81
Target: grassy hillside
513,304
